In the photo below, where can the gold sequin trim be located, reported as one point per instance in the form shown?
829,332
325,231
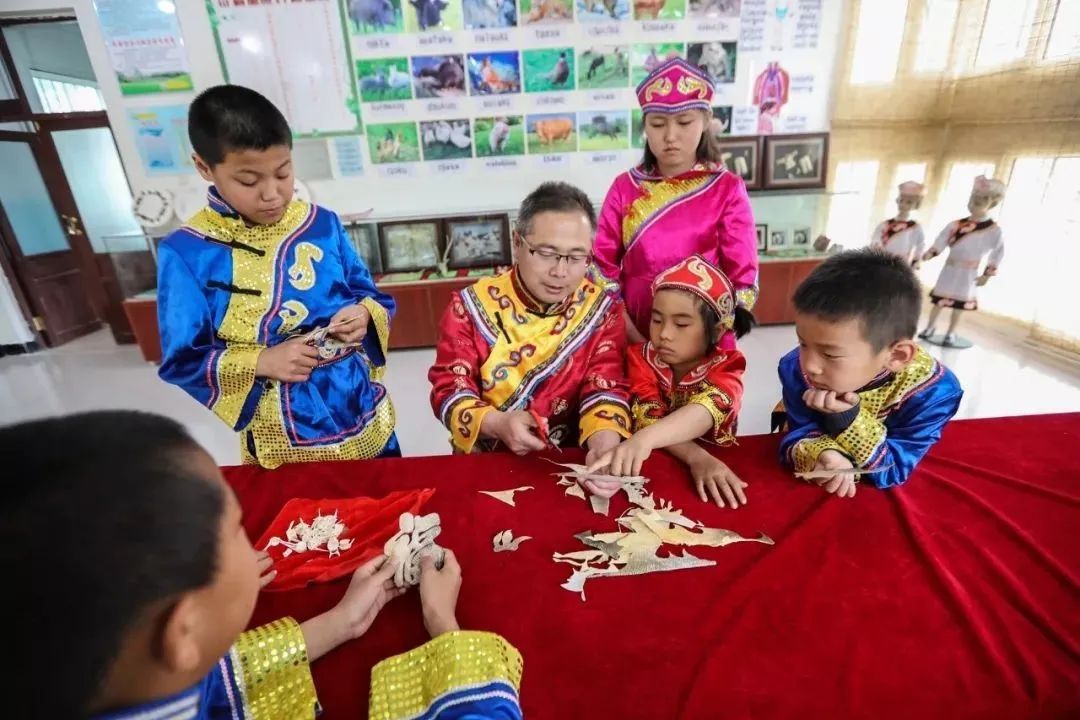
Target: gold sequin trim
246,312
715,401
804,454
655,196
746,297
272,671
646,414
235,371
405,685
381,318
863,437
273,449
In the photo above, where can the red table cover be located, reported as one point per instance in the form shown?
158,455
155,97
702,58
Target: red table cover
955,596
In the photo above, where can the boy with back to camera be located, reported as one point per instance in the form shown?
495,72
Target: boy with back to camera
861,397
136,580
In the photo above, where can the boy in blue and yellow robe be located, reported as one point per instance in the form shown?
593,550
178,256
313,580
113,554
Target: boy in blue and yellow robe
236,281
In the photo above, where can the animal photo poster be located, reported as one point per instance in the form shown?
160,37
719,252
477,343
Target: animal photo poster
488,83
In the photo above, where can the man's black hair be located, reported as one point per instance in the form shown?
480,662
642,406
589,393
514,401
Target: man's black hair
103,516
233,117
878,289
554,197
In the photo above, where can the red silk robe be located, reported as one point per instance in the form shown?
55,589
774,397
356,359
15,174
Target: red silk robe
500,349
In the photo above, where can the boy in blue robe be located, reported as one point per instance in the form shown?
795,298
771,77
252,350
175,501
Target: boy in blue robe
858,393
247,280
136,579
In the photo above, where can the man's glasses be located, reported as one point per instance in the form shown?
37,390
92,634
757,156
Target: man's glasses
551,258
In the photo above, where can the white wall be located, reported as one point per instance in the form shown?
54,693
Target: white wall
389,198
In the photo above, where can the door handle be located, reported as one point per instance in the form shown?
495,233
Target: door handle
72,225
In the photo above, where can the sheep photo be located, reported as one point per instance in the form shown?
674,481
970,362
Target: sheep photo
384,79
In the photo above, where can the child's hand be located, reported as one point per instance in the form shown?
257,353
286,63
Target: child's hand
372,586
600,443
626,458
290,361
842,484
439,593
717,478
514,430
355,318
827,401
264,562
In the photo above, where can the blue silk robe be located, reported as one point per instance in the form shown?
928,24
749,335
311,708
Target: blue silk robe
227,291
898,419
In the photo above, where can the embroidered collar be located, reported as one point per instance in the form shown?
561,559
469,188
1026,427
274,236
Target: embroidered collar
905,223
702,168
693,376
218,204
534,306
181,706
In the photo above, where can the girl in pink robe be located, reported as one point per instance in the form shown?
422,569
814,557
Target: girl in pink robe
651,222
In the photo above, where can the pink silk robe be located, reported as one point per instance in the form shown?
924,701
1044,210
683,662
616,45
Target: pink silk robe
649,223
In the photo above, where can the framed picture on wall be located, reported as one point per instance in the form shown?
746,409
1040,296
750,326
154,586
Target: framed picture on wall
742,156
409,245
796,161
800,237
777,239
762,238
478,241
365,240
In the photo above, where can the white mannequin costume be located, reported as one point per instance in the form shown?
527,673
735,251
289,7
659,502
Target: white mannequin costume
969,240
901,236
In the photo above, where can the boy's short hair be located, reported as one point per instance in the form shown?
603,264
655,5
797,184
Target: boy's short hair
554,197
102,518
233,117
878,289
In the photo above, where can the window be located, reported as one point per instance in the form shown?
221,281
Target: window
1065,32
915,172
849,222
58,95
1041,220
935,35
878,34
1005,32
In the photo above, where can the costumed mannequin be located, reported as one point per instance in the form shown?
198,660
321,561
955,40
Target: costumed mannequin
901,236
680,201
969,240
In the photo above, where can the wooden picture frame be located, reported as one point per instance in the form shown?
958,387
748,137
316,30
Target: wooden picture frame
762,238
365,240
742,156
477,241
796,162
410,245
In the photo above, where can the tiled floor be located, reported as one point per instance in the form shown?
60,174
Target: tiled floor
93,373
